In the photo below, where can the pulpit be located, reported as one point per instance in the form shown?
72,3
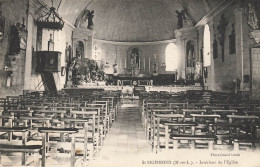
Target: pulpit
48,61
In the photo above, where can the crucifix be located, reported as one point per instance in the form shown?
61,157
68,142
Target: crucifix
222,25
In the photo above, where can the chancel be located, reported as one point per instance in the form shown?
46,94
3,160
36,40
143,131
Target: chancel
97,83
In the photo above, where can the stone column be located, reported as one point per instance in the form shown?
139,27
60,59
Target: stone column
211,72
28,58
242,47
181,50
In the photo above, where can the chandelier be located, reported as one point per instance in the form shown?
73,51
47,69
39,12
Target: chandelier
50,20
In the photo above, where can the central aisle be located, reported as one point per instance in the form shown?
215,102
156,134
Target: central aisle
125,144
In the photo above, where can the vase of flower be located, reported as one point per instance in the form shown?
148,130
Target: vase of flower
85,70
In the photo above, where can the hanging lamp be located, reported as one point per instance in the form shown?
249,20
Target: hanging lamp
50,20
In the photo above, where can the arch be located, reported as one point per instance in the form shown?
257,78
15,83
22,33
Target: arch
206,50
172,57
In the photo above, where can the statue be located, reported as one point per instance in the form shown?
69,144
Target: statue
180,19
68,60
71,71
252,18
90,16
134,59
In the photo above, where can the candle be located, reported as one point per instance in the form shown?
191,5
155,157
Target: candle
155,57
125,62
139,62
149,64
144,63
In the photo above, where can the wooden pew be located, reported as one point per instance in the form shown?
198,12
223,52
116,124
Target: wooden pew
156,124
22,149
46,143
73,123
205,117
12,146
188,112
103,114
172,126
93,116
193,138
147,115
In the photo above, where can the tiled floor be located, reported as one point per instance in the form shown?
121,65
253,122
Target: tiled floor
125,144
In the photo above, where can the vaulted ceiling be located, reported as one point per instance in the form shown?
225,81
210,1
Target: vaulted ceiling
134,20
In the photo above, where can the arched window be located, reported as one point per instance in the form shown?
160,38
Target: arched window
171,57
206,43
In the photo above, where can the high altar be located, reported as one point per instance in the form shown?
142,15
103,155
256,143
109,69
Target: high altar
132,74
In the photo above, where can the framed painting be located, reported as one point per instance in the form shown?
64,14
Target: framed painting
2,28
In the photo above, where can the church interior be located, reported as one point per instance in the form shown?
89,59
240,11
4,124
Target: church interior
129,83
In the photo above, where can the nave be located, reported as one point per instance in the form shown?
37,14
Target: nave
90,127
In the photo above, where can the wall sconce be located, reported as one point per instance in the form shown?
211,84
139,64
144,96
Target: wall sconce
163,65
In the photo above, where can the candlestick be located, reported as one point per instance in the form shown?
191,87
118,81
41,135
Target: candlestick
139,63
119,65
125,62
149,64
144,63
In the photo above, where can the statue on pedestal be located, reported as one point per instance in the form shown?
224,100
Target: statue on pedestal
90,16
183,19
180,19
134,57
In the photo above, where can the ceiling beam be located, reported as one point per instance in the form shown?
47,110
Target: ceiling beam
59,5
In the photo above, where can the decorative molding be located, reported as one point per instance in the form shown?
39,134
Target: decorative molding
135,43
80,33
184,32
255,34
